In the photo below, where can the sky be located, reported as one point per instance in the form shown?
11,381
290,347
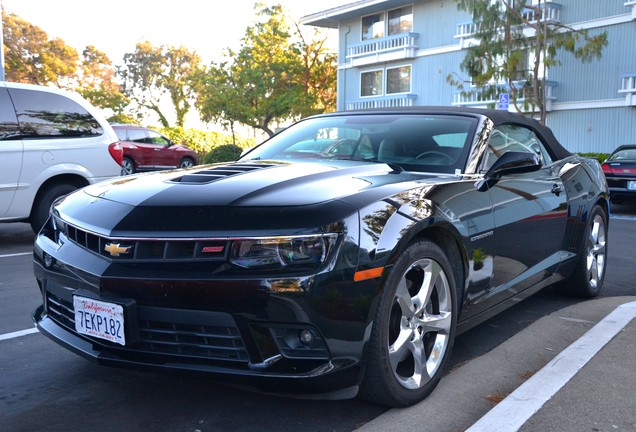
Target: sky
115,26
208,27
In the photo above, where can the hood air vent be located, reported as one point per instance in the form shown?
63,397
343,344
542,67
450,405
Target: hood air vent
218,173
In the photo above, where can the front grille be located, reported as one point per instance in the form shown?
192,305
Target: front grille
146,250
207,335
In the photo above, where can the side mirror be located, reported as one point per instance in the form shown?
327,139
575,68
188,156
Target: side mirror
514,163
509,163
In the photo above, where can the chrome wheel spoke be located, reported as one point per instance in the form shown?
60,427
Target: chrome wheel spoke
399,349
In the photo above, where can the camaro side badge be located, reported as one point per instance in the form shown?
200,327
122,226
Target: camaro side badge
114,249
481,236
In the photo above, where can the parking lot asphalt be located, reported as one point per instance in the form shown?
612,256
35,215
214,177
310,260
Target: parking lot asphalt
571,371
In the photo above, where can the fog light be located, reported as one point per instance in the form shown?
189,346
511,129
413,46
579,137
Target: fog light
305,337
48,260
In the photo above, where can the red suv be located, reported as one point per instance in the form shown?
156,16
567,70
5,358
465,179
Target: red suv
147,150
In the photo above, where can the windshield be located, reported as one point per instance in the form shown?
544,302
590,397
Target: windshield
414,142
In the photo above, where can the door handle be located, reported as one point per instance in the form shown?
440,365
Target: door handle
556,189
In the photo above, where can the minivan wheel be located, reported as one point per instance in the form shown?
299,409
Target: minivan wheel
127,166
43,202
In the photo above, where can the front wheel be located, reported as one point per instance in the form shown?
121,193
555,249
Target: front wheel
186,163
588,276
413,330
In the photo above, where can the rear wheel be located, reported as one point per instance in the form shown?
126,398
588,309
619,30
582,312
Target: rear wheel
43,202
128,166
413,330
587,279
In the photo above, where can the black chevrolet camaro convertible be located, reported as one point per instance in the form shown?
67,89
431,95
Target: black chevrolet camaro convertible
343,255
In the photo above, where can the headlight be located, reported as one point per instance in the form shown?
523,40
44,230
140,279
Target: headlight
283,252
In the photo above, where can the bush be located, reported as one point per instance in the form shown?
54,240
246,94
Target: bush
223,153
601,157
203,142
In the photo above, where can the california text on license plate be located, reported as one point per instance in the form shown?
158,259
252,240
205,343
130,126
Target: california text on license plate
99,319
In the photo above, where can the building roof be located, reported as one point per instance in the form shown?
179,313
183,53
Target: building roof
331,17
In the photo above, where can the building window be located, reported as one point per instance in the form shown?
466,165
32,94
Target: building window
371,83
400,20
373,26
398,80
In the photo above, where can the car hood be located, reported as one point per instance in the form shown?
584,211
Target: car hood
258,184
255,196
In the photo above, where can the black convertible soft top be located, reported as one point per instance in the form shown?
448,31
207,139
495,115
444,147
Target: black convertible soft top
498,117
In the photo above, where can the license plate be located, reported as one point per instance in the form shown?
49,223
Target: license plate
99,319
631,185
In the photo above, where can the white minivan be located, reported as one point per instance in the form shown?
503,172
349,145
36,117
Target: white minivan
52,142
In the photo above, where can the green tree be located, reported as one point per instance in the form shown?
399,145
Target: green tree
96,81
518,44
275,76
31,57
151,72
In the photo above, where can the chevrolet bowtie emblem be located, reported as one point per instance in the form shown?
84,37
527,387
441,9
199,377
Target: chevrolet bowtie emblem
115,249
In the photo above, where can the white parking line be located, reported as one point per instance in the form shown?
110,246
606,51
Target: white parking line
17,334
16,254
512,413
623,217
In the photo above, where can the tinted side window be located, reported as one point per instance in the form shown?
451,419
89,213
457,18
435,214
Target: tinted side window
121,134
42,114
516,138
157,138
137,135
8,123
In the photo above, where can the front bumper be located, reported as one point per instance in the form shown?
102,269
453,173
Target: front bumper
331,377
196,326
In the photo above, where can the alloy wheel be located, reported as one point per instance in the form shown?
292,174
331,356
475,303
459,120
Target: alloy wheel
596,247
420,323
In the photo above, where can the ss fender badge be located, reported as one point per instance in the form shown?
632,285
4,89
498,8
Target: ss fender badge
115,249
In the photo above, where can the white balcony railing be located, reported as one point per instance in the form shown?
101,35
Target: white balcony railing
465,29
476,98
396,47
628,88
551,13
405,100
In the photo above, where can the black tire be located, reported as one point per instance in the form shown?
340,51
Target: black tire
186,163
43,201
128,166
587,279
404,330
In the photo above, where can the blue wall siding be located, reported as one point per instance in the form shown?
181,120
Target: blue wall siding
594,130
598,79
436,21
574,11
429,78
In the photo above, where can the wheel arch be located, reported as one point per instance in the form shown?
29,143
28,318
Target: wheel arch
70,179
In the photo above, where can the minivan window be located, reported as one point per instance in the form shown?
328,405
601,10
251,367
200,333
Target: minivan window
8,123
42,115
